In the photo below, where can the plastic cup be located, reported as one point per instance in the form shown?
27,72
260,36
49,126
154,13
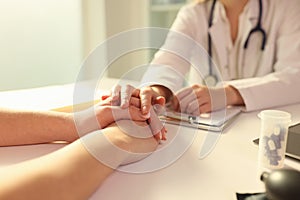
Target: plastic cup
273,138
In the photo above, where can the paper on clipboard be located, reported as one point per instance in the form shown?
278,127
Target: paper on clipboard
214,121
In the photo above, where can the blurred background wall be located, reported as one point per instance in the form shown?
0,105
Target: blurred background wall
44,42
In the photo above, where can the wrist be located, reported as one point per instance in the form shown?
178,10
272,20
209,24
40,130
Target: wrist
102,144
116,113
106,115
92,119
69,125
134,140
233,96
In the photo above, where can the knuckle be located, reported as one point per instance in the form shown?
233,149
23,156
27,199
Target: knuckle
196,112
128,88
195,86
146,90
205,109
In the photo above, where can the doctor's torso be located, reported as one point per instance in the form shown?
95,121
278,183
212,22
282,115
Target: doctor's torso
231,59
253,72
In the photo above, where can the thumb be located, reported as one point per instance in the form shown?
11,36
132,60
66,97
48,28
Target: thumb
159,105
160,100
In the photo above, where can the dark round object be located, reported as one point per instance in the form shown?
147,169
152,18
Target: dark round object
282,184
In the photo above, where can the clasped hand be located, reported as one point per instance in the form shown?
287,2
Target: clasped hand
191,100
110,110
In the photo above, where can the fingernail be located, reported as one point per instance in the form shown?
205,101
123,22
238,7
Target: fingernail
144,109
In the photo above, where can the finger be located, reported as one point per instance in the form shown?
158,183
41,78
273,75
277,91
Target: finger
185,101
115,101
161,135
157,137
115,93
193,107
159,105
158,109
174,104
184,92
201,105
164,131
183,98
155,124
133,113
146,99
134,101
126,95
136,93
205,108
160,100
196,112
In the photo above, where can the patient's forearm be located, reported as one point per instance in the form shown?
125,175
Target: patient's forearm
30,127
71,172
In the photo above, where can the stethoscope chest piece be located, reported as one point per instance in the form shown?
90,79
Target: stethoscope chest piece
210,80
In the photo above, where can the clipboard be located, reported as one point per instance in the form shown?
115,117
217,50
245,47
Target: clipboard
215,121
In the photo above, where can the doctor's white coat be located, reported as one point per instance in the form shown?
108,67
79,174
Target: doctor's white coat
264,79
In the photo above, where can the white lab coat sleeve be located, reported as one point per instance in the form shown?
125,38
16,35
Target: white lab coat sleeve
283,86
276,89
171,63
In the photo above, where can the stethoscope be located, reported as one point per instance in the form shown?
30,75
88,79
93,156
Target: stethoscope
211,79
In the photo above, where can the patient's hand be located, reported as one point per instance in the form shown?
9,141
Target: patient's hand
137,135
134,113
103,114
120,143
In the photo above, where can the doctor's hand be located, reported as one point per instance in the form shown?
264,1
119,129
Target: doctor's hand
199,99
147,97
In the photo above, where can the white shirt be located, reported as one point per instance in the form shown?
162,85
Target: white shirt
264,78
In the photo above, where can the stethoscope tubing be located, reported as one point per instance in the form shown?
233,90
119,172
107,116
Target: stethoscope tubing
258,28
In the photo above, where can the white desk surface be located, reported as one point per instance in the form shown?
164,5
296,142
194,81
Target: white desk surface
230,168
